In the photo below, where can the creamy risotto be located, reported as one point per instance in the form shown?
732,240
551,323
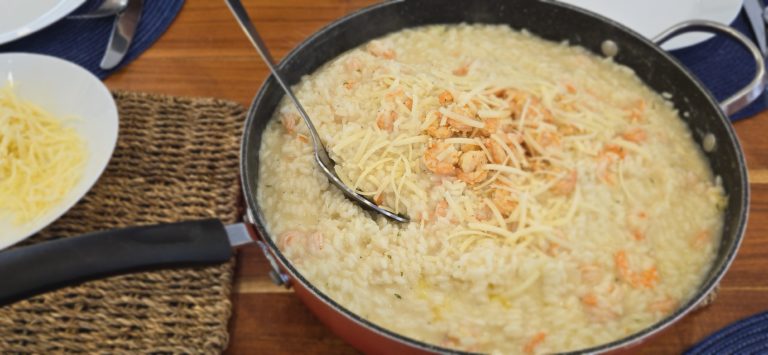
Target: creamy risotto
557,202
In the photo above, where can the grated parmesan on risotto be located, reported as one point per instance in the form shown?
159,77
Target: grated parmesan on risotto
557,203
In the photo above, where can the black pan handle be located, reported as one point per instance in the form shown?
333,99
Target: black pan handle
747,94
27,271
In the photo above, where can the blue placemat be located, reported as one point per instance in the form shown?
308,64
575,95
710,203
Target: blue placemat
747,336
721,64
724,66
84,41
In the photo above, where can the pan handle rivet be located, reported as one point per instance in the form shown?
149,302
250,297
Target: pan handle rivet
709,143
609,48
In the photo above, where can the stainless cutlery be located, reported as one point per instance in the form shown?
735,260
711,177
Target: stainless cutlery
105,9
123,30
755,13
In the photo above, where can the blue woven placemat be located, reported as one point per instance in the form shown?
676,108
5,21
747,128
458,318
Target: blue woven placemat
721,64
84,41
747,336
724,66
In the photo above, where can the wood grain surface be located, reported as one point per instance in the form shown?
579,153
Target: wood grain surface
205,54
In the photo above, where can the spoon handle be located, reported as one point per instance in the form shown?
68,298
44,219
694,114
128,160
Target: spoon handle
321,155
247,25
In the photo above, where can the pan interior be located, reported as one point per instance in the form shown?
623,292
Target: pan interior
549,20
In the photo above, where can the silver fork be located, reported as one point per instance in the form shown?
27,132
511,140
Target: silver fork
107,8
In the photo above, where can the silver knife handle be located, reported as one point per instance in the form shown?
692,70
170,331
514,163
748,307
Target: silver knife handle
123,30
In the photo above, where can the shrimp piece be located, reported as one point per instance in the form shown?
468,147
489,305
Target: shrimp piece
504,202
516,100
498,155
664,306
440,132
512,138
315,242
442,208
408,103
445,98
615,150
386,121
635,135
604,302
531,345
435,130
490,126
472,161
701,239
566,185
300,244
603,169
568,130
484,214
647,278
548,139
635,112
461,70
553,249
353,64
450,341
519,99
538,165
378,49
589,299
441,158
536,109
458,126
290,239
622,264
598,306
470,164
468,148
378,199
289,121
570,88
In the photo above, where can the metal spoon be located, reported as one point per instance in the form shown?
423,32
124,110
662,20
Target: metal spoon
321,155
107,8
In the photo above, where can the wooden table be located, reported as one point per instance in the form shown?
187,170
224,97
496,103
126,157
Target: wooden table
204,53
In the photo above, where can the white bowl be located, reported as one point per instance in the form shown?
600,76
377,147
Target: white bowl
63,89
21,18
651,17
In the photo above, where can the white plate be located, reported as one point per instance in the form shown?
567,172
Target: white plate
63,89
19,18
651,17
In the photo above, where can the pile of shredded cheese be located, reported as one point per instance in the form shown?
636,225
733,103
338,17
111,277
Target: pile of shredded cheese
524,141
41,159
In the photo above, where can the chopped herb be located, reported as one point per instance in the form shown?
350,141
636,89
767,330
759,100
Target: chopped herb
401,274
389,256
398,296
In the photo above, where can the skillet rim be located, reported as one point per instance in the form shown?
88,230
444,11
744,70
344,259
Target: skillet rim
713,276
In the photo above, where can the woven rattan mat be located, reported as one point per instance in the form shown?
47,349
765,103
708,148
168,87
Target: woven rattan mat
176,159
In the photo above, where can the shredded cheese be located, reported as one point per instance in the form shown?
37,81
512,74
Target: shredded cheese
41,159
